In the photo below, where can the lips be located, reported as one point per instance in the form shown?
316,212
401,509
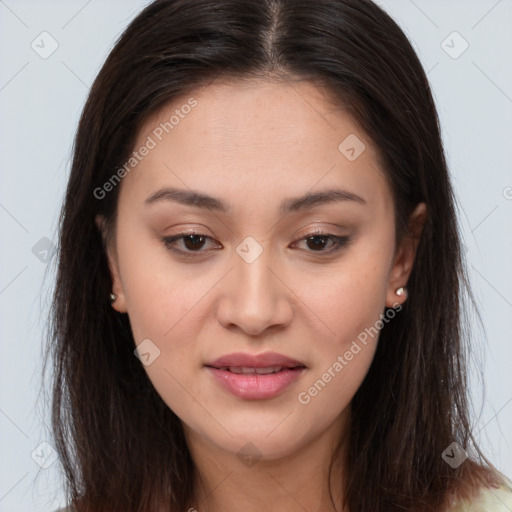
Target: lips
255,377
248,363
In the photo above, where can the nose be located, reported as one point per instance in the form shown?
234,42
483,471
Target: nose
255,299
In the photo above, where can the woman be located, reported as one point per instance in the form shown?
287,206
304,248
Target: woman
259,302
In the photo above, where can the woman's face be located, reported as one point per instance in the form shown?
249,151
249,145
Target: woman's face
288,248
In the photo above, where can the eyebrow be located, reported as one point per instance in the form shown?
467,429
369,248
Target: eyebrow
204,201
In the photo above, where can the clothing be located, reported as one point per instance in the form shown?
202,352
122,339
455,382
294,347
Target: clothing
489,500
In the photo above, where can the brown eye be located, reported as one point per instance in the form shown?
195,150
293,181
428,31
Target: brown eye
194,242
325,243
317,242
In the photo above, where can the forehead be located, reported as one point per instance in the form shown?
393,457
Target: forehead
256,134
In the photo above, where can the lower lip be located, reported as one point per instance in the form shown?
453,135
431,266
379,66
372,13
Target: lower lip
254,386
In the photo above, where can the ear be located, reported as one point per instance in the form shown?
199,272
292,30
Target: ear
117,288
404,258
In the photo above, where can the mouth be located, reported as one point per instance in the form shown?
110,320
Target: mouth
255,377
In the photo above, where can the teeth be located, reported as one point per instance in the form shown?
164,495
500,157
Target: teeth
272,369
259,371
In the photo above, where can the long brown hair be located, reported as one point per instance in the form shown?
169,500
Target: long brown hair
121,447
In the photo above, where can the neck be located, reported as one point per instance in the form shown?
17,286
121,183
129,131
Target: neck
296,482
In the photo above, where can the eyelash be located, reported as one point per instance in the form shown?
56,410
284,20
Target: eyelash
340,241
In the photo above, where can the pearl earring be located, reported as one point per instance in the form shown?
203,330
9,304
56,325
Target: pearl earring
400,291
112,297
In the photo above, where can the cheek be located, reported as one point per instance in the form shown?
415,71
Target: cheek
352,307
329,392
166,313
160,298
350,298
170,314
342,359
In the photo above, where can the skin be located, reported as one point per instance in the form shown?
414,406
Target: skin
253,144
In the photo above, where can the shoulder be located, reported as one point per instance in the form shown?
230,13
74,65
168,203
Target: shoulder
488,500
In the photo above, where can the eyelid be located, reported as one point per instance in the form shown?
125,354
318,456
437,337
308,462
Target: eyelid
317,231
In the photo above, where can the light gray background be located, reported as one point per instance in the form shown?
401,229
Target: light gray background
40,103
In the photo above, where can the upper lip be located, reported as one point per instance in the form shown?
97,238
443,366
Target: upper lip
266,360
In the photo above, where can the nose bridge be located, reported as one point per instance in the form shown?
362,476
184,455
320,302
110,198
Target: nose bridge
255,298
255,287
254,279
